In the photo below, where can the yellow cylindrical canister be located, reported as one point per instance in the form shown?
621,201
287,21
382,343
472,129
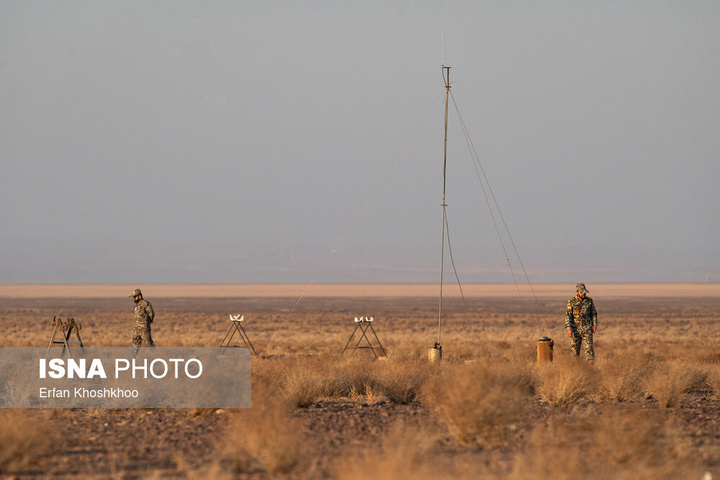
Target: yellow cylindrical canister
545,350
435,354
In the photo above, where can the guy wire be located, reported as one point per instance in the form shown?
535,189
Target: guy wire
457,277
481,174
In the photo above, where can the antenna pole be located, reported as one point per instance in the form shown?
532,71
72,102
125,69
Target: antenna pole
446,76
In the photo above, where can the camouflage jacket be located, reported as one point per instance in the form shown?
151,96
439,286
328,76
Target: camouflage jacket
144,312
581,313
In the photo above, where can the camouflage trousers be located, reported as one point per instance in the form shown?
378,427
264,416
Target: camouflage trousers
583,337
142,335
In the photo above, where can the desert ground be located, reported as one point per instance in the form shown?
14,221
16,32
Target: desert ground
648,407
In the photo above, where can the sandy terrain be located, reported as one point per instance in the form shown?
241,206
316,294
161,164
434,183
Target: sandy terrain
675,325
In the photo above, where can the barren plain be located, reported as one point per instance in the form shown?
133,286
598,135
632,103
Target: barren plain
649,407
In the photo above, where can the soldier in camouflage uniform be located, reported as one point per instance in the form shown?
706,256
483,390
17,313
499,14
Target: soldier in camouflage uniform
581,322
144,316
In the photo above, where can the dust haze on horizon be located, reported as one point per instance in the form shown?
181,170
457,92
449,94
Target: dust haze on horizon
261,142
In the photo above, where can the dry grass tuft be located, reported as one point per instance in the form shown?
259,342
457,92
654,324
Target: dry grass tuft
713,378
480,403
401,381
27,439
267,435
623,375
618,445
405,452
308,380
305,380
673,380
566,381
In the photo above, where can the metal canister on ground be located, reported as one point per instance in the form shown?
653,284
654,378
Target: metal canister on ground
545,350
435,354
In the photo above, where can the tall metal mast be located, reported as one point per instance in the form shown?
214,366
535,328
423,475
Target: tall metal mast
446,76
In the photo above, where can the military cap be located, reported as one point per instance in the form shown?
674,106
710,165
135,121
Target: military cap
135,293
580,287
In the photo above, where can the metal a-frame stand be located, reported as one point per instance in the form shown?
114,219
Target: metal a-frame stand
364,324
236,327
65,329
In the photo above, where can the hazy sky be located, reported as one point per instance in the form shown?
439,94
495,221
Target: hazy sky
278,141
